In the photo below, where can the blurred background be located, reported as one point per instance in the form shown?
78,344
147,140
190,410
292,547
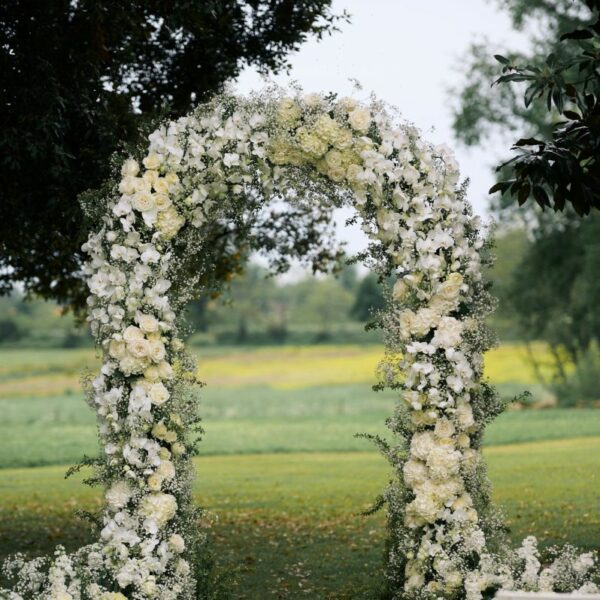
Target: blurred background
287,362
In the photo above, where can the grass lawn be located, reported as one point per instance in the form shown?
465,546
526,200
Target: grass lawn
281,475
287,522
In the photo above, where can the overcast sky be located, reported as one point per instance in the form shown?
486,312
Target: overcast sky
407,52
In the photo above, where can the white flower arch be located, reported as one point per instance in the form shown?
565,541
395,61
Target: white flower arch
211,166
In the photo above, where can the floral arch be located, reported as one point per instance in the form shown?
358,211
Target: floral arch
224,163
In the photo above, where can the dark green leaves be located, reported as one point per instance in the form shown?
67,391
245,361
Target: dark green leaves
565,167
72,73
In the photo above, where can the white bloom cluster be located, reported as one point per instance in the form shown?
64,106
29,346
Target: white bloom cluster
196,171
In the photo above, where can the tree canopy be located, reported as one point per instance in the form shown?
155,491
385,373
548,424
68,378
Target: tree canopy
80,79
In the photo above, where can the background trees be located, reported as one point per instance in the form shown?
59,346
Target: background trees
80,78
548,96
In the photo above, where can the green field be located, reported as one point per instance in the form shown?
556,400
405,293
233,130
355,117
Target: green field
280,472
288,399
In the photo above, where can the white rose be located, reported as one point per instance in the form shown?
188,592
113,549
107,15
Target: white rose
152,161
313,100
406,320
162,201
172,179
147,323
444,429
463,441
150,177
353,173
128,185
165,370
156,350
143,201
450,288
117,349
399,291
178,449
161,185
149,587
177,543
464,415
360,119
166,470
182,567
129,365
333,159
158,394
130,168
155,482
138,348
151,373
160,431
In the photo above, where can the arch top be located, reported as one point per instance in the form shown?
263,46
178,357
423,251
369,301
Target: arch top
272,144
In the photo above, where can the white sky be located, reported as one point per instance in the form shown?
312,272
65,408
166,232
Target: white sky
407,52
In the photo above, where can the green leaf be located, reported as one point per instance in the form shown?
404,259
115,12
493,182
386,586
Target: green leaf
501,186
578,34
529,142
502,59
523,194
540,196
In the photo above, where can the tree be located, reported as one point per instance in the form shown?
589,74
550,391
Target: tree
555,293
80,78
369,297
555,161
509,248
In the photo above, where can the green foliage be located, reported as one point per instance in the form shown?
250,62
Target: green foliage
80,78
554,292
509,248
565,168
580,387
369,298
255,308
38,324
556,113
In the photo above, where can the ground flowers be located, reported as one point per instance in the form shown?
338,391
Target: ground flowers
220,164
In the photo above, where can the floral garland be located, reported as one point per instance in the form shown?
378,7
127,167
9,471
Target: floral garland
204,168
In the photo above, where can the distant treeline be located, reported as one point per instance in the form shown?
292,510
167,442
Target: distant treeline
258,309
